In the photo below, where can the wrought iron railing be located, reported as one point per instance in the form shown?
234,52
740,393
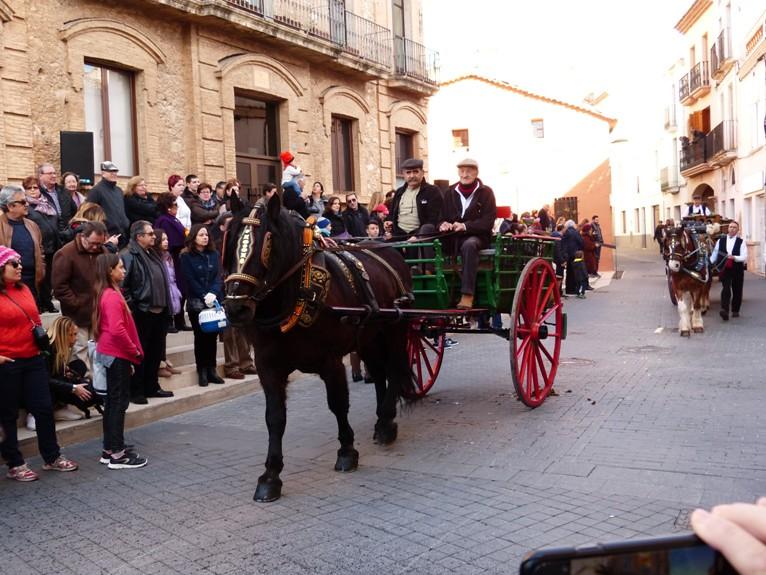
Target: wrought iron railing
722,139
415,60
250,5
368,40
699,77
329,20
693,154
683,88
720,53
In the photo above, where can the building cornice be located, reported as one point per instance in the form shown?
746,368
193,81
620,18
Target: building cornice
693,14
511,88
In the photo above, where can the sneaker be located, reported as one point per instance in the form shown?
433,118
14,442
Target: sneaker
580,296
22,473
127,461
66,414
105,458
31,425
61,463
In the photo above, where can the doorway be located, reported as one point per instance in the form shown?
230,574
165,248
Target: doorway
256,134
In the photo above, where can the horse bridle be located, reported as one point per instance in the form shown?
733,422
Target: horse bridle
243,254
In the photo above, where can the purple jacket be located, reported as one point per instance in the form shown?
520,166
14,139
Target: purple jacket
174,229
176,232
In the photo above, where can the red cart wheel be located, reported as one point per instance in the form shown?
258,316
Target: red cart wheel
425,350
671,291
537,331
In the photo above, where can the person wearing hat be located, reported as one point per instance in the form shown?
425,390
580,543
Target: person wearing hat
417,205
107,194
470,211
697,208
24,373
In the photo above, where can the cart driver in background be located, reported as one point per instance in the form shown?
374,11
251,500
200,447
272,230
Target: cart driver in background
469,211
698,208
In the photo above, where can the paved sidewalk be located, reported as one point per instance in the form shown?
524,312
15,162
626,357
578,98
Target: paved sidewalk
648,425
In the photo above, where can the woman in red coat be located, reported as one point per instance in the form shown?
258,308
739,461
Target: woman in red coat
589,248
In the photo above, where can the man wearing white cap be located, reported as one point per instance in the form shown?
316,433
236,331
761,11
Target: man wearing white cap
470,210
111,198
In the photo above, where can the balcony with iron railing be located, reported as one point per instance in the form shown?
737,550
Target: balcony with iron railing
693,158
695,84
721,59
669,179
721,143
413,60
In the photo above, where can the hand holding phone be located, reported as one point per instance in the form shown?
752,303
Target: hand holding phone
738,531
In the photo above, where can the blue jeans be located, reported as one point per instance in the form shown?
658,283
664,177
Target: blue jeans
25,382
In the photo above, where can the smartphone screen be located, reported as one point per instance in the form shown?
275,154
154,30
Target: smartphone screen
674,555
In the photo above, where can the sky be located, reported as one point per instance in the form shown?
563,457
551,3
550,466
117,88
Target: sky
563,48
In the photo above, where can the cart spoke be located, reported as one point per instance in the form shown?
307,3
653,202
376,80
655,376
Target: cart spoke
548,313
427,362
546,297
541,363
547,354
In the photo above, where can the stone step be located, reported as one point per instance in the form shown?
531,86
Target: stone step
186,398
184,354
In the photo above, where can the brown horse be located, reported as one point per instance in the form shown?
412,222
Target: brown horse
690,278
268,294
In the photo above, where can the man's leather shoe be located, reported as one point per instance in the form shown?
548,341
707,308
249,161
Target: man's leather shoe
164,372
466,301
735,314
185,327
724,315
357,377
139,400
236,374
249,371
202,378
172,329
162,393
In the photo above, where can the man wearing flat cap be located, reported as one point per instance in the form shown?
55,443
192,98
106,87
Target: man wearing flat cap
470,210
111,198
417,205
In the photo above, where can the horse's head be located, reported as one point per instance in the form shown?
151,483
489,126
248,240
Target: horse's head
263,244
677,248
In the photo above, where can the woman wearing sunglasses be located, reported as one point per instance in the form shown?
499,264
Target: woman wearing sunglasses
23,374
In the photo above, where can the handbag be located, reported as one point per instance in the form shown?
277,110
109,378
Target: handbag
42,341
213,320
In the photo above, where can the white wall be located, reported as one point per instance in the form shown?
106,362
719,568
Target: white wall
524,171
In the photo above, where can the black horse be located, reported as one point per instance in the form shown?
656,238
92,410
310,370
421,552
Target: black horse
265,255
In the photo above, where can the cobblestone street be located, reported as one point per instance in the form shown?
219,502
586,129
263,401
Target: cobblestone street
647,426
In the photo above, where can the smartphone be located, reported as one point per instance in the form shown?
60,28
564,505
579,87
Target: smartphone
670,555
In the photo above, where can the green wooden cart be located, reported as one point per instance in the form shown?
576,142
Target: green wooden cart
515,278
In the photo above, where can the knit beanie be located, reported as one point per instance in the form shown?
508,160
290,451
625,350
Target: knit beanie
7,254
286,157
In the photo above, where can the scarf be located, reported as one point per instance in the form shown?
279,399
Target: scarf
468,190
42,205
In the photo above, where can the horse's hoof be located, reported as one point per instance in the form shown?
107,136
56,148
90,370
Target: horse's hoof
685,333
698,329
385,433
268,490
347,462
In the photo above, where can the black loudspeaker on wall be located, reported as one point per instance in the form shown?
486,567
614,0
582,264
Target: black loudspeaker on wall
77,154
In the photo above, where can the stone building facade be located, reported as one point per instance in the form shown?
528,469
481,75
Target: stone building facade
217,87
